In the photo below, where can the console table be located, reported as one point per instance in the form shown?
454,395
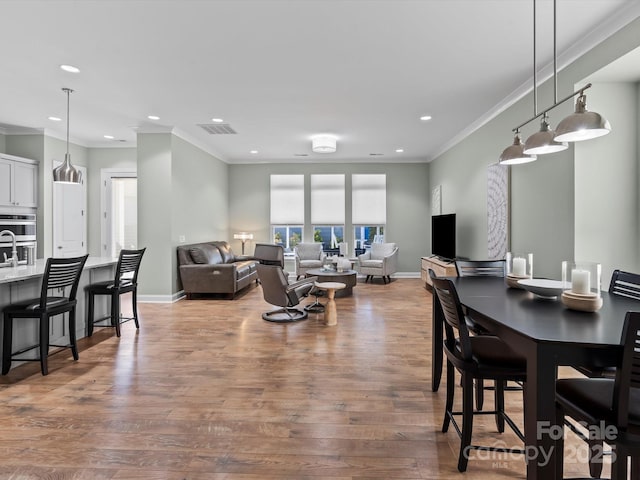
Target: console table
441,267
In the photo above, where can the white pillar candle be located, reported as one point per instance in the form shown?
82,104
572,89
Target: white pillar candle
580,281
519,266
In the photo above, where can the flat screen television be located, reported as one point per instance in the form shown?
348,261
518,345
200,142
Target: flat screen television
443,236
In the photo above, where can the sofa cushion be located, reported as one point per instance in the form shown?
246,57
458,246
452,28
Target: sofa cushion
371,263
244,269
310,263
205,254
226,253
381,250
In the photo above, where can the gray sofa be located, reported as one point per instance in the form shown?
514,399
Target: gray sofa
212,267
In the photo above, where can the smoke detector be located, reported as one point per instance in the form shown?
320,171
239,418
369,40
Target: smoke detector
323,144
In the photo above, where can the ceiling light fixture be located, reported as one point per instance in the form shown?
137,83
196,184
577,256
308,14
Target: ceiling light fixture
217,120
153,117
581,125
399,150
253,152
67,173
70,68
425,118
55,119
514,154
323,144
109,137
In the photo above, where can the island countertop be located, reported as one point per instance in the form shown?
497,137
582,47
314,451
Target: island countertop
25,272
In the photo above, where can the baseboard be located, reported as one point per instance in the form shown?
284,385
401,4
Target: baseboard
406,275
161,298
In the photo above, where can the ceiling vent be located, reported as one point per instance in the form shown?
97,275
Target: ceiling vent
217,128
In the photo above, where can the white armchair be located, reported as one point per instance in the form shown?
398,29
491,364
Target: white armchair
308,256
381,259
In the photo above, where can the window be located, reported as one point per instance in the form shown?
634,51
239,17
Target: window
327,210
287,210
330,236
368,209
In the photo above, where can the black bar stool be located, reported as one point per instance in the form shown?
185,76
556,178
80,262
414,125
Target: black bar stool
60,273
125,280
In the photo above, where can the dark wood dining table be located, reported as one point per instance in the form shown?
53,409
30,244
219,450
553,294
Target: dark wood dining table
549,335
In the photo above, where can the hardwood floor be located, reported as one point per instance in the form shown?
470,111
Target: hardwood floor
208,390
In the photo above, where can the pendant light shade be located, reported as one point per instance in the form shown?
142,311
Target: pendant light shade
582,124
67,173
514,154
543,142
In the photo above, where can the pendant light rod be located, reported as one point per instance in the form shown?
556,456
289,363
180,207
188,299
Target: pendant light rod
535,73
68,92
555,55
543,112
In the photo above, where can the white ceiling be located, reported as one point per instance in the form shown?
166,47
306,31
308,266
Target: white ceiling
280,71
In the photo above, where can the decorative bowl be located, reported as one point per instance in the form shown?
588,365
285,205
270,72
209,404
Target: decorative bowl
582,302
542,287
512,280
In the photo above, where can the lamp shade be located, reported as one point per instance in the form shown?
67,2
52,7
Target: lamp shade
323,144
243,236
582,124
67,173
542,142
514,154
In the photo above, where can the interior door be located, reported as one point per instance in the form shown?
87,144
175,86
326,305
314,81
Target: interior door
69,218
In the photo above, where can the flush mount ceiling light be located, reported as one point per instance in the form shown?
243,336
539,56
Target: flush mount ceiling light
67,173
70,68
323,144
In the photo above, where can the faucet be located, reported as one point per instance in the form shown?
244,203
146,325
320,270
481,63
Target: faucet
14,251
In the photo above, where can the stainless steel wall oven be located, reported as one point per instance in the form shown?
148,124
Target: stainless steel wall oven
23,226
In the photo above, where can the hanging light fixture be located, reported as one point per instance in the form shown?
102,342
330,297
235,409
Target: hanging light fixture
67,173
514,154
582,124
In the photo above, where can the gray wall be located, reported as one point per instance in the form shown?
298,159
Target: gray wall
408,198
542,192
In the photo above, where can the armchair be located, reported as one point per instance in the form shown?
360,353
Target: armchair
381,259
277,291
308,256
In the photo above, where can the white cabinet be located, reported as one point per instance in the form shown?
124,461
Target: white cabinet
18,182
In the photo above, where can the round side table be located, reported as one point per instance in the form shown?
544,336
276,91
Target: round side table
330,311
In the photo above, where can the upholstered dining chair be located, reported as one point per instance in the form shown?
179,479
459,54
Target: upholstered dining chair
380,260
475,357
609,406
124,281
57,296
308,256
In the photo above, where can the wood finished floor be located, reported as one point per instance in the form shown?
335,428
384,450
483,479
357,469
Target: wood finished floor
208,390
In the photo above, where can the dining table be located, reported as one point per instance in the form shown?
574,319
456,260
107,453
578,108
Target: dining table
549,335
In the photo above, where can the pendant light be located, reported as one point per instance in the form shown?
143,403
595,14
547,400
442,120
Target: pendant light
67,173
582,124
514,154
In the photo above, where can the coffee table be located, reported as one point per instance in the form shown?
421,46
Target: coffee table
348,277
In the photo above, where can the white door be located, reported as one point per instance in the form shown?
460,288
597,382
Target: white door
69,218
119,207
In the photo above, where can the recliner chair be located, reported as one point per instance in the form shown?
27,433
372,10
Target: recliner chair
277,291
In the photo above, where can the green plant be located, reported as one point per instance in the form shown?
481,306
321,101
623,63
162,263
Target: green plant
317,237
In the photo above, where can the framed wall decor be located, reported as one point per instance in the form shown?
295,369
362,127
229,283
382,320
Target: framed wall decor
436,200
497,211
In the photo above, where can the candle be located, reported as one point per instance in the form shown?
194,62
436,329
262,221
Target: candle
519,266
580,281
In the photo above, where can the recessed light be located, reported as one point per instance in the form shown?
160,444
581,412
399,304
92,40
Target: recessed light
376,154
109,137
217,120
153,117
55,119
70,68
399,150
253,152
425,118
300,154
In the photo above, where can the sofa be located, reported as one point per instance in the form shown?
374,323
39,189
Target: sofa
212,267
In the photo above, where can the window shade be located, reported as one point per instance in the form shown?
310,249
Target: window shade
369,199
287,199
327,199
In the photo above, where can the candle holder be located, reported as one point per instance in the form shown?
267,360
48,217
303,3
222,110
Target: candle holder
581,285
519,267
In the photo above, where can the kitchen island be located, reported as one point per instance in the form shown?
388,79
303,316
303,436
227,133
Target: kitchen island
24,282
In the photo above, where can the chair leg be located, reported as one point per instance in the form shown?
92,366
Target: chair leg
7,343
635,467
134,306
44,344
499,399
479,393
115,312
451,388
619,464
467,421
72,334
90,314
558,443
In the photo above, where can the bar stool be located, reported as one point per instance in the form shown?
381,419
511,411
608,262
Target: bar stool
60,273
125,280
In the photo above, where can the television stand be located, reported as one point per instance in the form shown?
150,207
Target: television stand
443,268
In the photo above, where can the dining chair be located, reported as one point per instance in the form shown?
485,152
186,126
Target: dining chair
481,268
57,296
610,407
124,281
475,357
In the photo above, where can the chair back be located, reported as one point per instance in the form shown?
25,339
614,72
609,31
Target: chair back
309,251
481,268
454,319
628,375
625,284
269,254
274,284
128,265
381,250
61,273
